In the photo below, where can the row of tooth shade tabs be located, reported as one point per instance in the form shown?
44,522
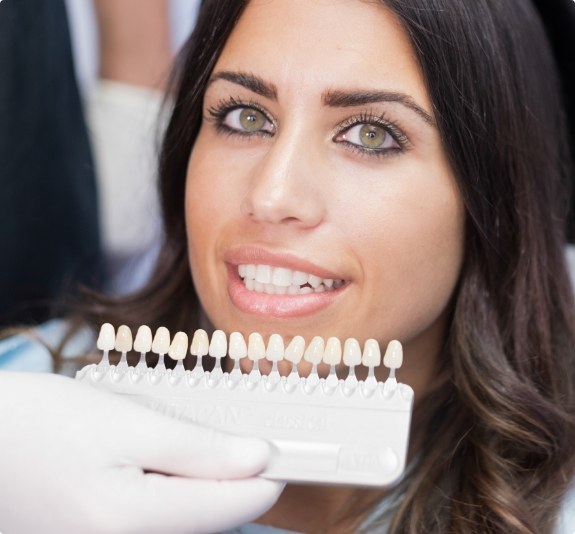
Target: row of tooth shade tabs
330,352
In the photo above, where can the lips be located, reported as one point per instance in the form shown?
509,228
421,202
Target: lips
279,285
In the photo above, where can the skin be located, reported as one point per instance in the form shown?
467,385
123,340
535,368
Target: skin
389,224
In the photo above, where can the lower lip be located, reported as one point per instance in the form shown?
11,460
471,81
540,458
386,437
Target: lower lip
278,306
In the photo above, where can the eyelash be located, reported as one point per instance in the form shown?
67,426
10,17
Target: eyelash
219,112
380,120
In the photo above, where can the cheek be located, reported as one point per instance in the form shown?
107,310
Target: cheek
200,203
410,241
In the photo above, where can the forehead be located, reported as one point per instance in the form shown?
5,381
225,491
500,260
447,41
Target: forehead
324,43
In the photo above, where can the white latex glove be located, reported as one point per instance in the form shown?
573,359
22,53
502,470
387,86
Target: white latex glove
78,460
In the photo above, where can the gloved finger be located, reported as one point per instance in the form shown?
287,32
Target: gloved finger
166,445
178,505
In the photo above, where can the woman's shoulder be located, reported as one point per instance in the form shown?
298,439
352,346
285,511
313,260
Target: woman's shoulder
29,350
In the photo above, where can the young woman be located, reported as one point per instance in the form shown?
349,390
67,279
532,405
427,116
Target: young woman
415,154
410,159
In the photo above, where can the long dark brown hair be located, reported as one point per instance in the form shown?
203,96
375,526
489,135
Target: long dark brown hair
499,428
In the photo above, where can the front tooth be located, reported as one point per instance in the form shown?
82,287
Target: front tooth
256,347
259,287
332,353
238,349
293,290
281,276
263,274
200,343
371,353
106,338
315,350
393,355
179,346
143,342
275,349
123,339
270,289
219,344
299,278
161,343
250,271
351,352
294,350
314,281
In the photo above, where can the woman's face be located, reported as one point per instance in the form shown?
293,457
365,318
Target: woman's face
318,162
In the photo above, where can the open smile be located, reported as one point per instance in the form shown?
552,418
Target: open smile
263,278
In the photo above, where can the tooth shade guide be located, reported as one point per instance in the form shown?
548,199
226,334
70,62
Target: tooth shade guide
143,344
285,367
343,424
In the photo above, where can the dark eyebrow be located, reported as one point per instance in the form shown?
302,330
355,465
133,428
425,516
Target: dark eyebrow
336,98
331,98
249,81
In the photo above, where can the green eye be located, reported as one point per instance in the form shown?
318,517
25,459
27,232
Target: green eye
252,120
372,136
369,137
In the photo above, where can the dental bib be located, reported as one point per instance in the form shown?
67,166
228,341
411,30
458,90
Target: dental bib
331,430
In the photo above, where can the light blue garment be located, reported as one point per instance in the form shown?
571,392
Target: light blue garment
23,353
29,353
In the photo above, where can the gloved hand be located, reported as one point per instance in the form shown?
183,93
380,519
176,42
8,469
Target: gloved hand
78,460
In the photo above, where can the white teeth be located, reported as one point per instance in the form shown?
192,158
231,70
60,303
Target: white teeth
250,272
281,280
143,341
263,274
393,358
371,353
294,350
275,349
161,343
351,352
281,276
123,339
314,281
238,349
315,350
200,343
299,278
179,346
292,290
256,347
332,353
106,338
219,344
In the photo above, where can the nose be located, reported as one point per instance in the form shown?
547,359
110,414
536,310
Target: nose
285,185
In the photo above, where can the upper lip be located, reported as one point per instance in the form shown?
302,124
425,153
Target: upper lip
241,255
